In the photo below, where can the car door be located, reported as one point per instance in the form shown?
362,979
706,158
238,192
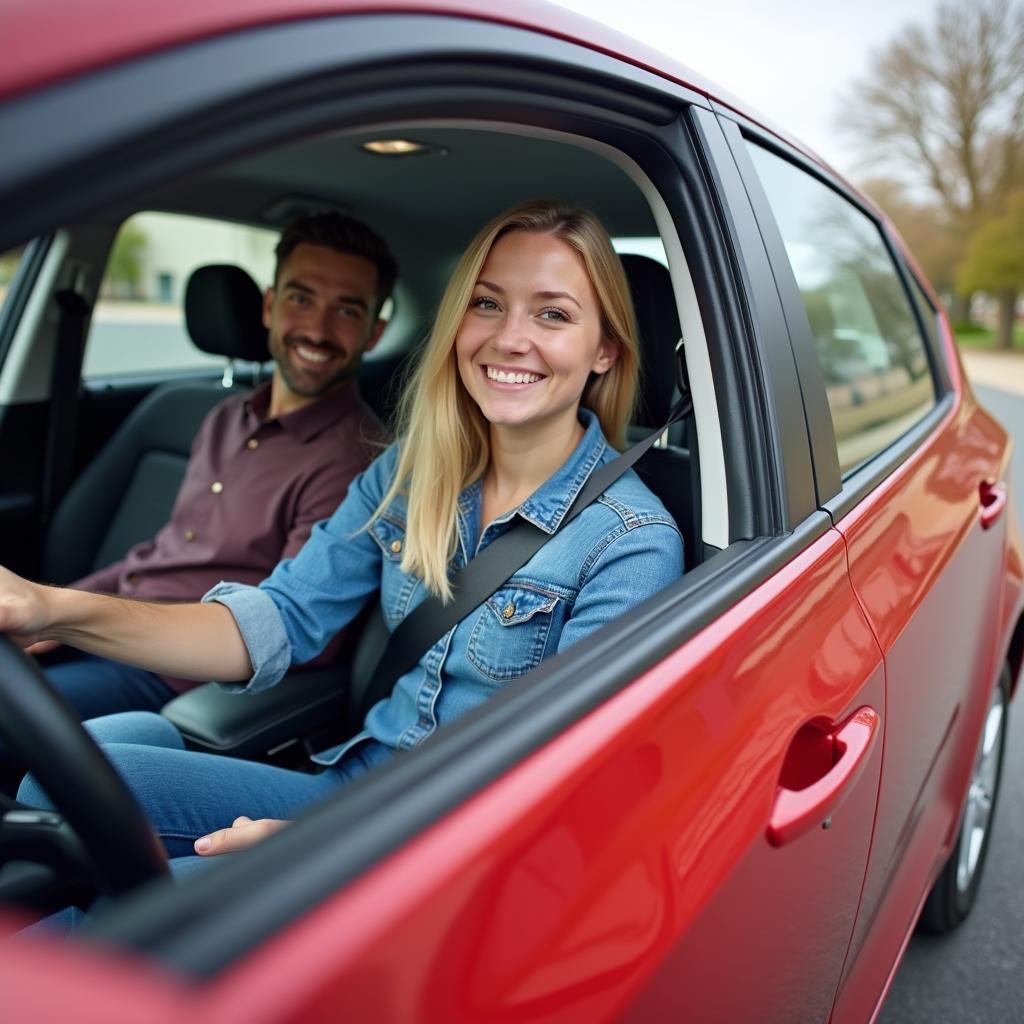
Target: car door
650,824
913,473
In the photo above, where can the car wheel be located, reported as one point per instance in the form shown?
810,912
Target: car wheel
956,888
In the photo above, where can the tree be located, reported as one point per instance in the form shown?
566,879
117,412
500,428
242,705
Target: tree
926,229
944,104
995,263
125,264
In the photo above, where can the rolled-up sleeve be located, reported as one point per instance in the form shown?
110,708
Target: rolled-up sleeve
263,632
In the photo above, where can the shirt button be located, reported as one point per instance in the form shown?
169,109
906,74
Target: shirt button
508,611
190,535
396,546
216,487
252,443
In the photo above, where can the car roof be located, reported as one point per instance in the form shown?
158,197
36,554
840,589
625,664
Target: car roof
96,33
93,34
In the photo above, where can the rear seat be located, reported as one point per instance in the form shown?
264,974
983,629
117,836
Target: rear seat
126,493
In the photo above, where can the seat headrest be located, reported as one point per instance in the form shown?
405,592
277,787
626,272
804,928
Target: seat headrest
658,323
223,313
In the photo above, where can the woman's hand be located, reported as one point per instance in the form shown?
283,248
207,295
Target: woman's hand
24,611
243,832
192,640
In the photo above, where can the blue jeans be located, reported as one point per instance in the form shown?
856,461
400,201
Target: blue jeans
187,794
96,686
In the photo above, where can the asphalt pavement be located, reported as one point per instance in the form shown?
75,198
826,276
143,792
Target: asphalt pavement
976,974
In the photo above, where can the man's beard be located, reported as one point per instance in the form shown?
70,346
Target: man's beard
304,382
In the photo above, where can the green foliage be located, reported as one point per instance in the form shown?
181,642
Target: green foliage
995,255
926,228
125,263
979,337
963,328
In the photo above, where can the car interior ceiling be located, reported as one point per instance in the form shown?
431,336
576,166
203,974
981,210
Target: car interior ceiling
427,206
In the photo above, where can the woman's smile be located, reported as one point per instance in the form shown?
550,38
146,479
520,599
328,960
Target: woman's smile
510,376
532,335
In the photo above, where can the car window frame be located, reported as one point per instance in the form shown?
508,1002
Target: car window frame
835,493
20,290
175,926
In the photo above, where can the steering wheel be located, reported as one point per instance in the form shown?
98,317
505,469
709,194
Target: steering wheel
40,729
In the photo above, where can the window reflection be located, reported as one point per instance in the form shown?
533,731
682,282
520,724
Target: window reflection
868,341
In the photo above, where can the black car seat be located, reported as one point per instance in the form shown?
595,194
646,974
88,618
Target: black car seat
670,469
126,493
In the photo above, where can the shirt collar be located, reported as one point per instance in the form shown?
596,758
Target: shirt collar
304,424
548,504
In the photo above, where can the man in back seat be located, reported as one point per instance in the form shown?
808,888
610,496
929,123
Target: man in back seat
266,466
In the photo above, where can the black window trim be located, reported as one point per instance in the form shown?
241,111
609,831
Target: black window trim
920,297
770,352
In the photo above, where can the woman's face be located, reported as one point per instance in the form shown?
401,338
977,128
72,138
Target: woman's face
532,335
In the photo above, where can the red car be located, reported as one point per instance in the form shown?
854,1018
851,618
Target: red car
731,805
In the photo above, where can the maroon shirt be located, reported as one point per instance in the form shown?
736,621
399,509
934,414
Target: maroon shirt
252,491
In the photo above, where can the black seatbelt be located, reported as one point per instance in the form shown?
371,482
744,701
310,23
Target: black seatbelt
64,382
480,577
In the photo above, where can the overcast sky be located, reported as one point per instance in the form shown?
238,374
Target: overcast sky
790,59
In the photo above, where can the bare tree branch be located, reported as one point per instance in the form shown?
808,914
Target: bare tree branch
944,103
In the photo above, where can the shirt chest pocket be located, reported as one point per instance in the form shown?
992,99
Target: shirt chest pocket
396,586
511,631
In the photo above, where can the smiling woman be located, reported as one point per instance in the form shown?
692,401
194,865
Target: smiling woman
499,312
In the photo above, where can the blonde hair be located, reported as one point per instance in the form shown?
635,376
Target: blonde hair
444,437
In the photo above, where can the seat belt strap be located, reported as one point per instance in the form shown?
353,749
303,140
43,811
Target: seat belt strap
481,576
64,383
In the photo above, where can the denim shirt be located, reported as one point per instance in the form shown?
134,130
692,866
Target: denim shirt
620,550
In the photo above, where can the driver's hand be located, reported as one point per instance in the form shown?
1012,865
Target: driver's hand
243,832
23,610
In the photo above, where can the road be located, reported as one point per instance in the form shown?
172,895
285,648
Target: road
976,975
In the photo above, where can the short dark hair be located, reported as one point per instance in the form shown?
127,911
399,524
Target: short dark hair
345,235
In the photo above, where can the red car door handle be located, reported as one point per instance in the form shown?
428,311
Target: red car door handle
993,501
795,811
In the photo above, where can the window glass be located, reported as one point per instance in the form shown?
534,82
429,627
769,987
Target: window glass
138,325
642,246
9,262
877,376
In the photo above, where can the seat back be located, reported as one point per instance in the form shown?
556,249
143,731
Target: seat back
127,492
670,470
